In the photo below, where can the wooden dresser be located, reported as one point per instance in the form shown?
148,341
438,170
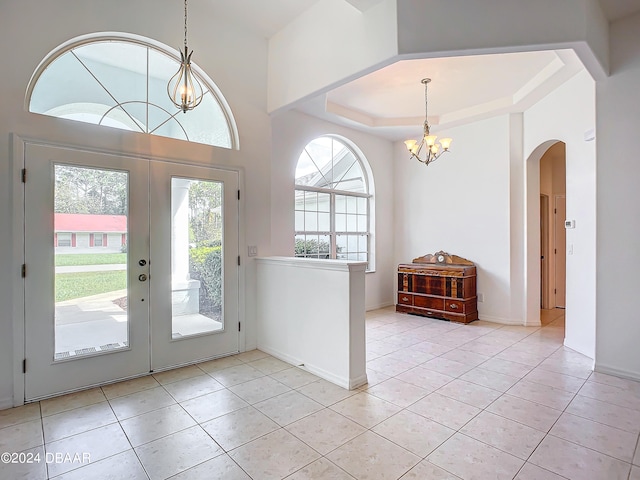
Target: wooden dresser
440,286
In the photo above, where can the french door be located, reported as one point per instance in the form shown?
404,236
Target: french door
131,267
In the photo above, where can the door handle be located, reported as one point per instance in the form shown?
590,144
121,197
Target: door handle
142,277
142,262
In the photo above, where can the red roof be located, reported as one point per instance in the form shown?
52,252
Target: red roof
79,222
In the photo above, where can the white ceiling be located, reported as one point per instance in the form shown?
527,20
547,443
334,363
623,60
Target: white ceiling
390,101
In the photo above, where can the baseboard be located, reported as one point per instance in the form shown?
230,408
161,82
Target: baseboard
617,372
369,308
500,320
343,382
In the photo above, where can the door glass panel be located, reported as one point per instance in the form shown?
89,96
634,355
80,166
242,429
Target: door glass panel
91,314
197,254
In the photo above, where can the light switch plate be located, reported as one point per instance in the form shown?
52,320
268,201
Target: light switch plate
252,250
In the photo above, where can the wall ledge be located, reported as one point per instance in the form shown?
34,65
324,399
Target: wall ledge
315,263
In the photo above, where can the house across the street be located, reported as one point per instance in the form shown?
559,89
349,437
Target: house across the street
84,233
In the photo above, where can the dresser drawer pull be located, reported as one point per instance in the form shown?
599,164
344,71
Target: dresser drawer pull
429,313
453,305
405,299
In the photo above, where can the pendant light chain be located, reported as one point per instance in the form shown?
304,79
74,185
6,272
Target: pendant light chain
185,24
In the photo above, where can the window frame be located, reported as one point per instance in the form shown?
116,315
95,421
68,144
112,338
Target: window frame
333,233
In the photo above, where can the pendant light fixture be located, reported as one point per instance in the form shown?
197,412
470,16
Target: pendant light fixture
184,89
432,149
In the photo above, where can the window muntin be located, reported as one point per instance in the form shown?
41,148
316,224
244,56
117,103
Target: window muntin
122,84
331,203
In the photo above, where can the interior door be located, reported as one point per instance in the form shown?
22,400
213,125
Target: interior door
86,262
194,270
560,240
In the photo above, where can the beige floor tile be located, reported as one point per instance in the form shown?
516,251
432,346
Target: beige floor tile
193,387
487,378
374,378
251,356
325,430
413,432
475,395
269,365
528,413
572,461
611,394
63,403
25,413
636,457
506,367
123,466
602,438
295,377
237,428
22,436
288,407
321,468
273,456
260,389
635,473
447,367
468,358
623,383
514,354
382,348
26,467
365,409
533,472
447,411
86,448
411,355
221,467
325,392
371,456
541,394
479,460
602,412
487,349
389,366
221,363
403,340
213,405
427,470
432,348
425,378
141,402
177,452
128,387
153,425
176,374
398,392
72,422
236,374
566,368
556,380
504,434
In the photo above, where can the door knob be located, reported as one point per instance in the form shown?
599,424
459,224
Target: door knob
142,277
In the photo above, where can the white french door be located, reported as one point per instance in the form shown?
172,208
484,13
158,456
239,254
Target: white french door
131,267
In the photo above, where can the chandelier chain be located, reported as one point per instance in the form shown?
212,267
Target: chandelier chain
185,24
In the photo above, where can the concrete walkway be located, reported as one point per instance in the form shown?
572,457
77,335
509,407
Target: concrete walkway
92,268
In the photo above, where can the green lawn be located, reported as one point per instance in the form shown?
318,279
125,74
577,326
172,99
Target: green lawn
84,284
72,259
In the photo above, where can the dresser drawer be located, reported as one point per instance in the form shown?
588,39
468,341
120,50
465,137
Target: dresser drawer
428,302
405,298
455,306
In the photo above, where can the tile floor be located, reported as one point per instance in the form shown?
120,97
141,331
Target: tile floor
444,401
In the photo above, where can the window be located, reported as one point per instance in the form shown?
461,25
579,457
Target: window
97,240
122,83
64,239
332,202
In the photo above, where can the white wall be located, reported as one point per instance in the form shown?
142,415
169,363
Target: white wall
291,133
565,115
618,205
460,204
243,84
326,44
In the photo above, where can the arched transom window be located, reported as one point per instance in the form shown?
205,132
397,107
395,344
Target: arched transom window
332,202
122,83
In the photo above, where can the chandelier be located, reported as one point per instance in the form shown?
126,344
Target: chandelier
428,141
184,89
